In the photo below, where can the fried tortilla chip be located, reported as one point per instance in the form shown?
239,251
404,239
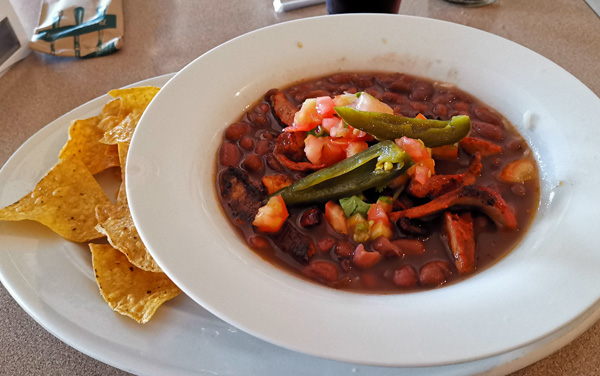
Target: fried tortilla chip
116,223
128,290
110,115
64,200
84,136
123,150
135,98
112,108
123,131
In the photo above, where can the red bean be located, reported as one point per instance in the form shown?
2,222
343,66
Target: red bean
261,120
516,145
229,154
247,143
258,242
268,136
421,91
385,247
405,276
444,98
410,246
401,85
343,249
486,115
440,109
363,81
461,106
263,147
487,130
374,92
323,270
340,78
311,94
264,108
420,107
273,163
325,244
253,163
518,190
236,130
390,97
364,259
434,273
310,217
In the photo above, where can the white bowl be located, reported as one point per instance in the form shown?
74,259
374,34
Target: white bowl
548,281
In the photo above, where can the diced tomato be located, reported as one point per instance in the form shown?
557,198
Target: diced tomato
344,100
332,153
364,259
306,118
355,147
386,203
333,126
424,165
424,170
445,152
415,148
367,102
325,106
334,214
323,150
271,216
273,183
379,220
378,213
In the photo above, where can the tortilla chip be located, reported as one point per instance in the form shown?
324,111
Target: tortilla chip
116,223
123,132
123,150
83,142
112,108
64,200
128,290
134,98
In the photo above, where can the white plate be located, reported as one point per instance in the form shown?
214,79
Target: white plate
52,280
542,286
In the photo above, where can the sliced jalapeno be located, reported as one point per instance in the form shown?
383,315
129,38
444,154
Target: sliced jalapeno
382,126
373,167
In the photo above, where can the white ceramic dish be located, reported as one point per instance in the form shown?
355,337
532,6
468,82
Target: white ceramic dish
52,280
542,286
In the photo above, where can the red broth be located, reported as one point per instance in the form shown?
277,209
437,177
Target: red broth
426,260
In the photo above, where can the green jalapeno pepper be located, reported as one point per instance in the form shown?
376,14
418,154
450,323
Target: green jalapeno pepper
373,167
382,126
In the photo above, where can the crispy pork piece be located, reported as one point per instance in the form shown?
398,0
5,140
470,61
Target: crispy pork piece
440,184
290,240
458,229
242,197
283,109
474,145
289,151
485,199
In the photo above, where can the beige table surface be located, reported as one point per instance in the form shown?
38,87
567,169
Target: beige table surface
163,36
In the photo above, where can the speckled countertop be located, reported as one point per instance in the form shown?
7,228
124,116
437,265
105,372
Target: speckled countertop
41,88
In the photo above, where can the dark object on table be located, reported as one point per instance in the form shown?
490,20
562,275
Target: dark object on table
363,6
